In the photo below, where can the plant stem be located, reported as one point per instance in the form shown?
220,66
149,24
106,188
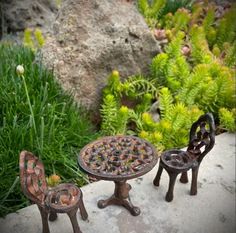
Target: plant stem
10,190
31,111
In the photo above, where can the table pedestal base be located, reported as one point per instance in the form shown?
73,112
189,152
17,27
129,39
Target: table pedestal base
120,197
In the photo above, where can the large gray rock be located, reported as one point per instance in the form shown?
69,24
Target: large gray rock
92,38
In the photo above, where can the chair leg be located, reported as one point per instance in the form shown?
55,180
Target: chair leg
169,194
74,222
82,209
156,181
193,190
44,216
184,177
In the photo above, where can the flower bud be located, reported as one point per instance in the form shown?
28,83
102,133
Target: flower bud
185,50
115,73
20,70
157,136
53,180
124,110
160,34
143,134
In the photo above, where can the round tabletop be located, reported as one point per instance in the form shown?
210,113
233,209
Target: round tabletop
118,158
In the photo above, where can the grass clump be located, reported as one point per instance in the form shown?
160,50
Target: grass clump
55,131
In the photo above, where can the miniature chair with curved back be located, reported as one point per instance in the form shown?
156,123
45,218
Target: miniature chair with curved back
64,198
201,141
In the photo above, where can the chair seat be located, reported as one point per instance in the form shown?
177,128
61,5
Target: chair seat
63,197
201,141
178,160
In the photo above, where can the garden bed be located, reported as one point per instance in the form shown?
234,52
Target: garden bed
62,127
194,74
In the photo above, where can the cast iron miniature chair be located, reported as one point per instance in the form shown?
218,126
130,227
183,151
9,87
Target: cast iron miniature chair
64,198
201,141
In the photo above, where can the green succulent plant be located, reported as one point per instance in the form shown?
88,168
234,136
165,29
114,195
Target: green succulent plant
181,85
228,119
226,29
33,39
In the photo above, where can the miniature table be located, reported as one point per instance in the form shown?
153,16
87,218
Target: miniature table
118,159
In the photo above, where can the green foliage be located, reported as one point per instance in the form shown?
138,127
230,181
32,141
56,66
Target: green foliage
230,55
166,103
210,86
143,6
58,3
200,48
171,68
28,41
172,6
159,68
216,31
211,36
39,38
62,128
174,47
138,86
228,119
209,19
208,27
152,10
197,12
145,103
33,39
109,112
171,131
206,36
178,71
226,31
134,86
122,120
116,117
114,85
181,19
194,74
155,9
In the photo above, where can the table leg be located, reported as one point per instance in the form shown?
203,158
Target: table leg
120,197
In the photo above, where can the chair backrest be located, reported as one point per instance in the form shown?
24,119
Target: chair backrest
32,177
202,137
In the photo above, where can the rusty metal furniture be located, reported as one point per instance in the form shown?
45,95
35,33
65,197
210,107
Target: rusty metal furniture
118,159
201,141
64,198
